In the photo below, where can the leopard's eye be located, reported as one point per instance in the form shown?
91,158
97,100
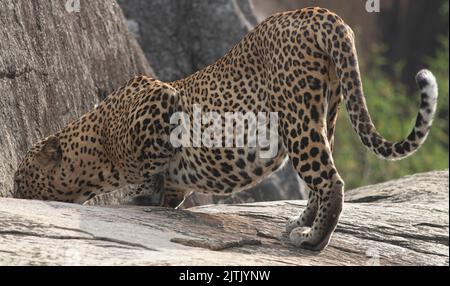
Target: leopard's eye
17,177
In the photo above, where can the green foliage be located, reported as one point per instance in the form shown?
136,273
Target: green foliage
393,110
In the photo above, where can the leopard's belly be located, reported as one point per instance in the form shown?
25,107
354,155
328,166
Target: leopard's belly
221,171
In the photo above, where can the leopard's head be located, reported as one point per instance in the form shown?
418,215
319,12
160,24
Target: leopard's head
33,178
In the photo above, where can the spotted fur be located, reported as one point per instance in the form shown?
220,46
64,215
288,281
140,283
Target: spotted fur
300,64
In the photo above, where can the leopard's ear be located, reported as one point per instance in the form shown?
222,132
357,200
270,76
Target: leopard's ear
50,154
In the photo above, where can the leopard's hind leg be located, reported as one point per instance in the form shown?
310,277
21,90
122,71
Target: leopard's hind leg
334,99
313,228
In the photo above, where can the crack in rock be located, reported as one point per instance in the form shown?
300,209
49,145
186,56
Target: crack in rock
67,237
402,244
215,245
369,199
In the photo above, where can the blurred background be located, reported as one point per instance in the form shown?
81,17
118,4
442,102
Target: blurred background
89,48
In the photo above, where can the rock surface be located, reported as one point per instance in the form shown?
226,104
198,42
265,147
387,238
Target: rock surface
402,222
181,37
56,63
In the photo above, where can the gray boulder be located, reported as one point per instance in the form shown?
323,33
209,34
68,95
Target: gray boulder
181,37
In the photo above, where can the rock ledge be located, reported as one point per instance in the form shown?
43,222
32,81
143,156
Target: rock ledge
402,222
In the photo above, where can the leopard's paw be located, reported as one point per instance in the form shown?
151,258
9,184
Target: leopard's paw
307,238
293,223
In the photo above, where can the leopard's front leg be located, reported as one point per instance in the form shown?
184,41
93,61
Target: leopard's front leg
152,146
150,193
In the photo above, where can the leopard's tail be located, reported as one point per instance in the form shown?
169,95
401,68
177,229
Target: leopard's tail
344,56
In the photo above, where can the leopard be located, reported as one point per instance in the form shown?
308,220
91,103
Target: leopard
301,64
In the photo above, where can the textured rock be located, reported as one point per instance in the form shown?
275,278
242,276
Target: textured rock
56,64
403,222
181,37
